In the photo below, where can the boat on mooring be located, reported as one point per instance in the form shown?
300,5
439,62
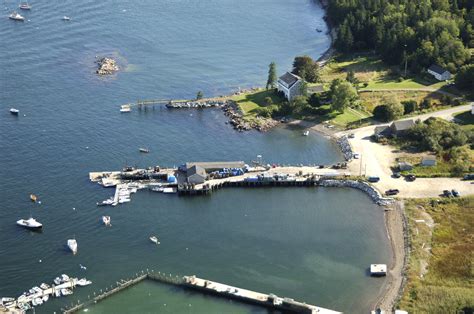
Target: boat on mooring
25,6
106,220
109,201
72,245
66,18
305,133
30,223
33,198
154,240
144,150
14,111
16,16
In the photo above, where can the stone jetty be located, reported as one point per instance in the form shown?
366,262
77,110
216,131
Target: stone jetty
107,66
346,148
236,119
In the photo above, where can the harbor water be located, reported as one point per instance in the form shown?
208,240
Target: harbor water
310,244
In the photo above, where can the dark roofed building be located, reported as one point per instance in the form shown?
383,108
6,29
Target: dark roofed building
440,73
290,85
382,130
400,127
210,166
196,174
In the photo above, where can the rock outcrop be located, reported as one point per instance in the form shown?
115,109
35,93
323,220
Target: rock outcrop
107,66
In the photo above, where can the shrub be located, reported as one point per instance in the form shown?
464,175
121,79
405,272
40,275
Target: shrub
409,106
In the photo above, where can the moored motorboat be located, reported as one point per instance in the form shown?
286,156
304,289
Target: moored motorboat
25,6
144,150
83,282
30,223
106,220
125,110
72,245
109,201
154,240
44,286
16,16
305,133
66,291
14,111
33,198
66,18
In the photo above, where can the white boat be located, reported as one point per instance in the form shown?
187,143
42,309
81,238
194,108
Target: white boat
6,300
106,220
65,278
44,286
38,301
16,16
57,281
154,240
66,291
72,244
305,133
57,293
125,110
24,6
83,282
37,290
109,201
170,190
14,111
30,223
45,298
157,189
144,150
66,18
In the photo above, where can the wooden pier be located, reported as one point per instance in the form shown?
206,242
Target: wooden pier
287,305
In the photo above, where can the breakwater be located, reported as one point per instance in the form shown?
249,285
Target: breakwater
271,301
346,147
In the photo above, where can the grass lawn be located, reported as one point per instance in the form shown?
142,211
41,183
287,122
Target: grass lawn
250,101
351,118
440,268
410,83
465,119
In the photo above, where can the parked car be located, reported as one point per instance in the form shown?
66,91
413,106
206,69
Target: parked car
455,193
410,177
469,176
447,193
321,166
373,179
392,192
356,156
396,175
351,135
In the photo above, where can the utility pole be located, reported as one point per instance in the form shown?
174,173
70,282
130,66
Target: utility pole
360,167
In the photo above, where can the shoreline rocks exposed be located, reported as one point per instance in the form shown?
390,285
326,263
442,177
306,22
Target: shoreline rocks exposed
361,185
106,66
346,148
236,119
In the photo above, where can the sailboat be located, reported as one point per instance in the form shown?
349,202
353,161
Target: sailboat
72,245
25,6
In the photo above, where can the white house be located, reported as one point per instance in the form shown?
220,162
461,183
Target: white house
440,73
290,85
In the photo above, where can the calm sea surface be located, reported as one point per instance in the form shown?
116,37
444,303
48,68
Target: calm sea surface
310,244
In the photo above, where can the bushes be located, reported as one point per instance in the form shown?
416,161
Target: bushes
390,110
409,106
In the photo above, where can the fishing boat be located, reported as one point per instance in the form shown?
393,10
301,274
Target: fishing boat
33,198
14,111
144,150
125,110
169,190
83,282
305,133
154,240
44,286
16,16
106,220
109,201
25,6
72,245
65,278
30,223
66,291
66,18
6,300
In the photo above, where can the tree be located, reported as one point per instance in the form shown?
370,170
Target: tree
344,95
272,76
409,106
394,108
350,77
314,100
306,68
465,78
199,95
268,101
380,113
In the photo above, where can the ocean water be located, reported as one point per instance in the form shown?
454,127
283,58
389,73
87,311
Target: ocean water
313,245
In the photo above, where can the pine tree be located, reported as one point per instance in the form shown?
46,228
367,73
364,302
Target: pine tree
272,76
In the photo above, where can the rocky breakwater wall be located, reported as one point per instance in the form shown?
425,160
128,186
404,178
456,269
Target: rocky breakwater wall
237,120
346,148
106,66
361,185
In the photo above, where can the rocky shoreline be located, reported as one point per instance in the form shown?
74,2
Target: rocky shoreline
345,147
106,66
236,119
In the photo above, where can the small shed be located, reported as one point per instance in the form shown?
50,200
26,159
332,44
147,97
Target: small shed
400,127
196,174
378,269
381,130
440,73
428,161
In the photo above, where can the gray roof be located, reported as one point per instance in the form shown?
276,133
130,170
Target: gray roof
196,170
426,158
214,165
289,78
380,129
437,69
402,125
315,89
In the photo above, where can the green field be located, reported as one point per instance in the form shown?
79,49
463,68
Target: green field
249,102
440,268
465,119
